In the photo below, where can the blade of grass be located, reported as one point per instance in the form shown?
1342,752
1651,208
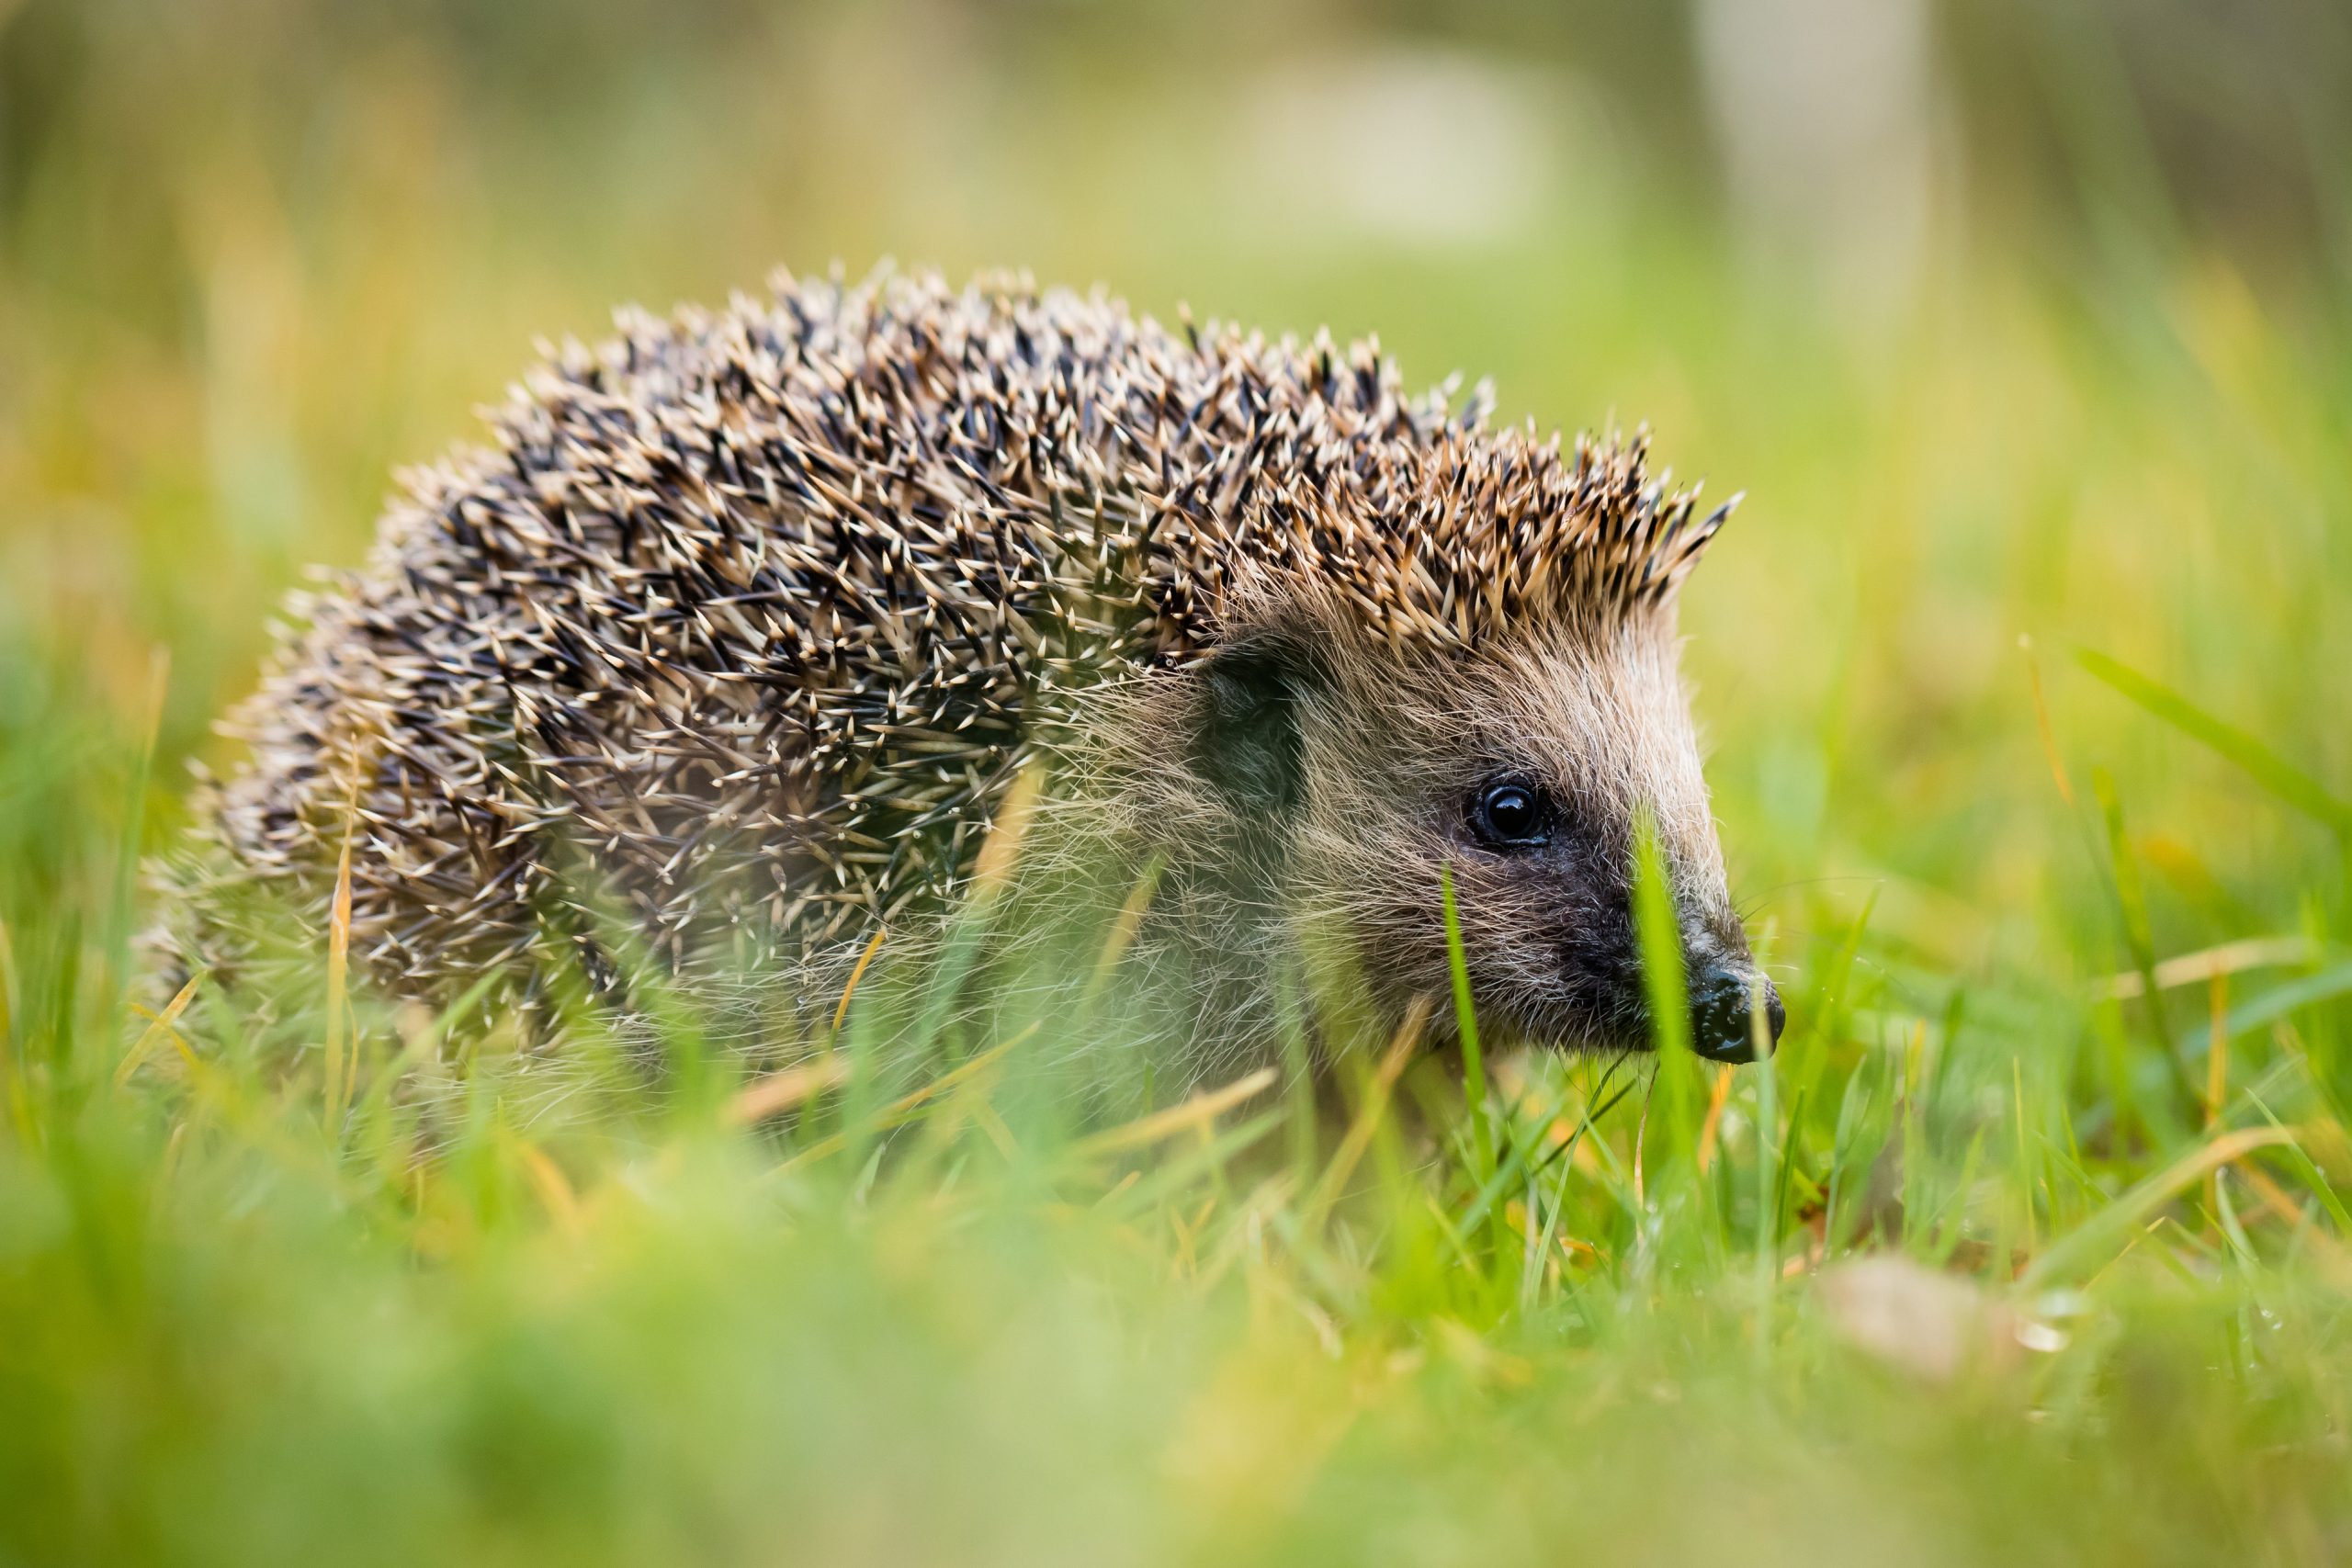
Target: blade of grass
158,1026
1204,1106
1465,1020
2132,907
1299,1087
2099,1234
1658,930
1787,1162
1123,933
426,1040
779,1091
13,1096
2308,1167
1360,1131
1476,1093
2041,723
898,1112
1768,1183
134,822
1505,1179
858,972
968,930
339,966
2027,1166
2257,760
1710,1125
1192,1165
2278,1003
2229,958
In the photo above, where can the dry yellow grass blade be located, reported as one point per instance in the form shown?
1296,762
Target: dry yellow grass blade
2042,722
1122,931
553,1187
1368,1116
1200,1108
1243,1238
2205,965
780,1092
993,869
899,1109
2217,1059
158,1026
339,978
2274,1198
858,972
1712,1125
2127,1212
2217,1068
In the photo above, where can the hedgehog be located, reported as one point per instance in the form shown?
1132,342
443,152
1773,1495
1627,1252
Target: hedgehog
749,625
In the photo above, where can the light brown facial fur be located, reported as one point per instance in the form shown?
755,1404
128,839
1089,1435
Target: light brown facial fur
1331,808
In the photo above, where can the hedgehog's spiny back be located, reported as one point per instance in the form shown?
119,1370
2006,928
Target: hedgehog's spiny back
750,618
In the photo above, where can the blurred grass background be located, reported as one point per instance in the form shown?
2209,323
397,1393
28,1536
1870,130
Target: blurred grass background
2014,320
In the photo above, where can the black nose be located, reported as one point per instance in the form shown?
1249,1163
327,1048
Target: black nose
1722,1027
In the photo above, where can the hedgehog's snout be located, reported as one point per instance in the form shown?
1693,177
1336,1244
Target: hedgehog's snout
1723,1000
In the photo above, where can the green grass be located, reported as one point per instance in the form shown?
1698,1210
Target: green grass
2063,928
465,1304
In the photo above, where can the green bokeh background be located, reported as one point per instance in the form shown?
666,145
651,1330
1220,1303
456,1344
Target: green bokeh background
2018,321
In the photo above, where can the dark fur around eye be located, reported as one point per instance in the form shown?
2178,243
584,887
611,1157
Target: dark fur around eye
1509,813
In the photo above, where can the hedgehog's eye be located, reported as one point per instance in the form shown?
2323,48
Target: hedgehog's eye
1511,814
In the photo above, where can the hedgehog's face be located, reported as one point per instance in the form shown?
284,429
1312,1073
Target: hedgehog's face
1525,768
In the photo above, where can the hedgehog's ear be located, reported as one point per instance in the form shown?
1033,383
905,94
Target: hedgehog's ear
1249,743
